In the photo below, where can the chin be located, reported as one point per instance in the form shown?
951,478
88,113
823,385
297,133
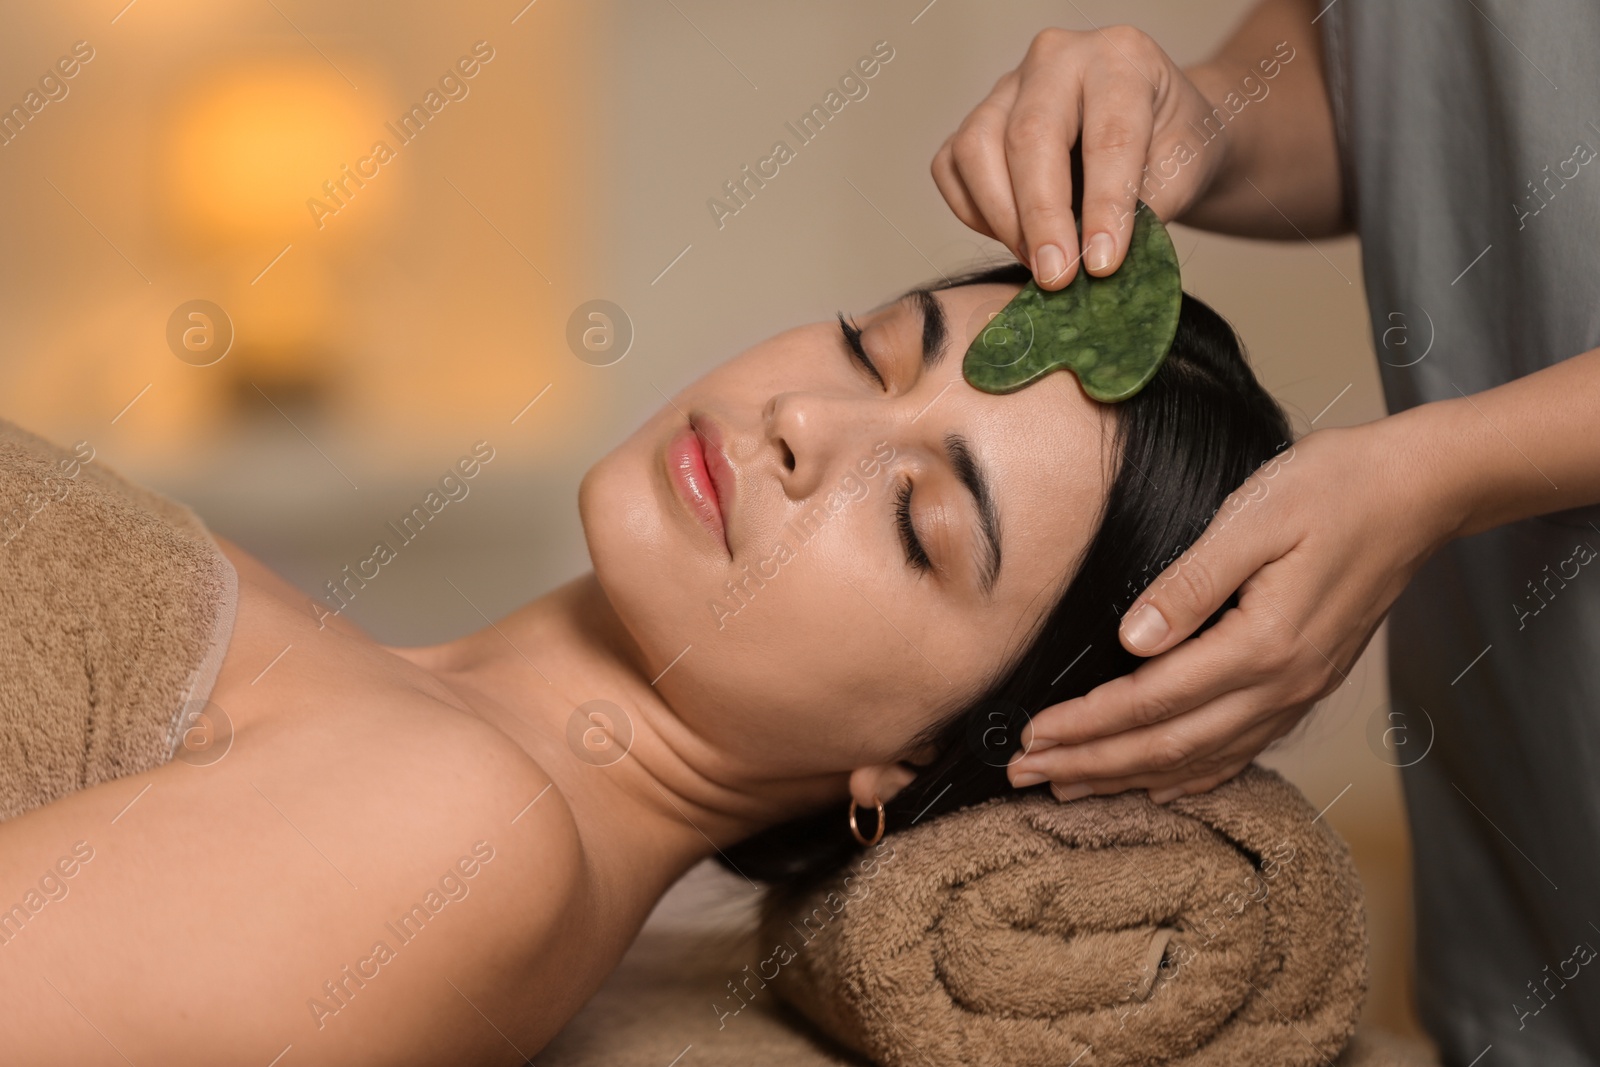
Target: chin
609,496
638,554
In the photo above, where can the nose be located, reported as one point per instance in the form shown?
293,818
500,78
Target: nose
811,434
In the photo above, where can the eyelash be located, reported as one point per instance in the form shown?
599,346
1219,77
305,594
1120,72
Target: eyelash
915,555
852,340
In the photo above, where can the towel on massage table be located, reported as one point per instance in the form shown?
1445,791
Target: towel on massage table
1224,929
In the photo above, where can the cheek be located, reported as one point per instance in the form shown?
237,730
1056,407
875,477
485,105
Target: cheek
781,633
799,636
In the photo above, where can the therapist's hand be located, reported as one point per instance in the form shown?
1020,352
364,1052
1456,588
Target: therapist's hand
1319,541
1006,171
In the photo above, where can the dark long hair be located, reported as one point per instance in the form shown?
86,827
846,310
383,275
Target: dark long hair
1191,436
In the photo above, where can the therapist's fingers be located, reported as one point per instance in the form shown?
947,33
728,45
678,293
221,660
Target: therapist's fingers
948,179
1179,677
1177,746
1040,133
1118,119
1166,793
1159,789
1208,745
1235,546
1225,763
1219,661
978,158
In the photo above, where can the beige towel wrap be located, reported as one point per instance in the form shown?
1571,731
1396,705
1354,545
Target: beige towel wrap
116,607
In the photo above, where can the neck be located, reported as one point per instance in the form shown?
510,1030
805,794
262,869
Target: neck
563,678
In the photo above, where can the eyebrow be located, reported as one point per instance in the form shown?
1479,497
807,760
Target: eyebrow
976,482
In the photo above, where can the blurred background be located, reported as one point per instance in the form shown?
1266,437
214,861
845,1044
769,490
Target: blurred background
214,274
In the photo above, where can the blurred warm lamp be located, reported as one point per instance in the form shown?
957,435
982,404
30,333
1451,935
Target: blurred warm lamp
248,147
247,144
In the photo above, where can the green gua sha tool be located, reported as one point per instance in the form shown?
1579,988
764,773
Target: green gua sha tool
1112,332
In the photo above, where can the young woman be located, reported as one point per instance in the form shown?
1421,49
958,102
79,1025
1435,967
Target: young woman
828,571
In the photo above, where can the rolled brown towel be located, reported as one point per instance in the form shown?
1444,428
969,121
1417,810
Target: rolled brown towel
1223,930
116,607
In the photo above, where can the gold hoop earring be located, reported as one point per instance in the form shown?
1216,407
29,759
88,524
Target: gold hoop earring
854,829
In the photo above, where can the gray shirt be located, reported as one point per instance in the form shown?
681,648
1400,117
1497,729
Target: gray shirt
1469,133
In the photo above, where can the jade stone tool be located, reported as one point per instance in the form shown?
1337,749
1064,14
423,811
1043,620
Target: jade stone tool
1112,332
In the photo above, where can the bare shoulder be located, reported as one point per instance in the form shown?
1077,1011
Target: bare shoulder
364,886
426,783
465,827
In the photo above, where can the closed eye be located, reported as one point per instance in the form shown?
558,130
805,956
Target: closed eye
916,556
852,340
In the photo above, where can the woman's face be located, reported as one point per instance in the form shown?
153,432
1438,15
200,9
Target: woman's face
834,549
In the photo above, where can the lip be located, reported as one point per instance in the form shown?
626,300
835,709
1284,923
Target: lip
723,477
688,471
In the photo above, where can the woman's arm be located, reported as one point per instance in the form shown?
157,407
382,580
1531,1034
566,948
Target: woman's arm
223,913
1321,541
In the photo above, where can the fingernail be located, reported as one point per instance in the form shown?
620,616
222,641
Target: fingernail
1076,791
1097,253
1022,781
1049,264
1165,795
1146,628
